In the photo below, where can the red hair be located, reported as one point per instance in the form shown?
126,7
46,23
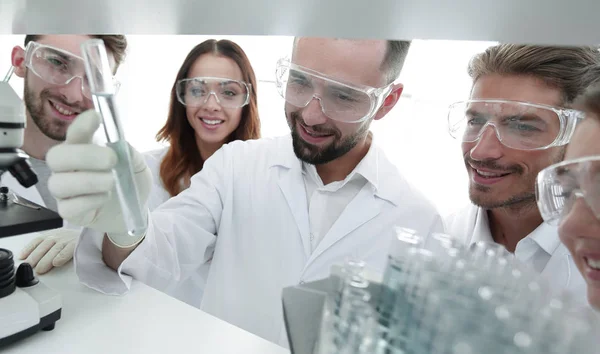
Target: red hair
183,159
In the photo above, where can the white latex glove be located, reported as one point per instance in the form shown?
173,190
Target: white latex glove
51,249
83,183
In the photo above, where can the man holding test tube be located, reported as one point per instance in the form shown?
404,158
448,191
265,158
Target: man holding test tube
267,213
55,92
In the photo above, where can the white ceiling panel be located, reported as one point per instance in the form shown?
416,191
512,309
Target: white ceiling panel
523,21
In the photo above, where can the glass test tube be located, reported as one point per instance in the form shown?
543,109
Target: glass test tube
352,271
102,87
395,276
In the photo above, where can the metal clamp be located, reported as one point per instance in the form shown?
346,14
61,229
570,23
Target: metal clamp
24,202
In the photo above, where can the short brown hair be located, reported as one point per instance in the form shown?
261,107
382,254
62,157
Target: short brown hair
569,69
393,61
115,43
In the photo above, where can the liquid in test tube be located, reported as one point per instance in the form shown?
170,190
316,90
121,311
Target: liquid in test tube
103,90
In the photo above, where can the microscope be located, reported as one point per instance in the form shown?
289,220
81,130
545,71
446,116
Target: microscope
18,215
26,304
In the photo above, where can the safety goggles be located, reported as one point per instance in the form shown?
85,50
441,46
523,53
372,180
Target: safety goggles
344,102
559,186
195,92
517,125
57,66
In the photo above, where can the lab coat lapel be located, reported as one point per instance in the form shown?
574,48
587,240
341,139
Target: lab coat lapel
364,207
292,186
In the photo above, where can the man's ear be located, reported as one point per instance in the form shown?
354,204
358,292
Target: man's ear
390,101
18,61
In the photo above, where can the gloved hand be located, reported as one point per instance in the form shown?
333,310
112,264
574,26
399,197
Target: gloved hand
51,249
83,184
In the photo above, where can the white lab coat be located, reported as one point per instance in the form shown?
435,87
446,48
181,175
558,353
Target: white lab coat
247,211
158,193
189,290
471,225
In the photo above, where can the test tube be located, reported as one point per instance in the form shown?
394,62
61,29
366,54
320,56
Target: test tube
103,90
396,274
352,271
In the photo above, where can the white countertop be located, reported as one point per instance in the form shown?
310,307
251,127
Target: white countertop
142,321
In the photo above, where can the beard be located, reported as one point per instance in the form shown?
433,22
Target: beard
523,195
51,127
317,155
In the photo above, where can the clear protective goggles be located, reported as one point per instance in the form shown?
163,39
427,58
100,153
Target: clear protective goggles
229,93
559,186
344,102
517,125
58,67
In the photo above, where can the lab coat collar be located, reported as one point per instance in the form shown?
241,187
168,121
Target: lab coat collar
285,156
374,167
368,167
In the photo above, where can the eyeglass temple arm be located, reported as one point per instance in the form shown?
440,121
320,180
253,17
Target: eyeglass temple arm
9,74
569,129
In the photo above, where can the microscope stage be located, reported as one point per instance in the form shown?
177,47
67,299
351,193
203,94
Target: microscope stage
16,219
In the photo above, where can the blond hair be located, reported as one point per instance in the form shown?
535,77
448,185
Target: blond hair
569,69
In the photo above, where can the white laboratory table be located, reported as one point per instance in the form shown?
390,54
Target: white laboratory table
142,321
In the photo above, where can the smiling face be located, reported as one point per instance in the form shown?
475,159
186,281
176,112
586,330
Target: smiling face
579,230
53,107
317,139
500,176
212,122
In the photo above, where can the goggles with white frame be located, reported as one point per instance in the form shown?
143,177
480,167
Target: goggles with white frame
229,93
560,185
517,125
341,101
57,66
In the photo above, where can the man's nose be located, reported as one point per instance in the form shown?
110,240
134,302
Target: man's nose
488,146
73,90
313,114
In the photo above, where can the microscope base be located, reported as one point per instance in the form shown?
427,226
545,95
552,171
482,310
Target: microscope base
27,311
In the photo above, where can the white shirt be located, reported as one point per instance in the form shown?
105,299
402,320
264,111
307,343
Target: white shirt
541,249
327,202
535,249
247,211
